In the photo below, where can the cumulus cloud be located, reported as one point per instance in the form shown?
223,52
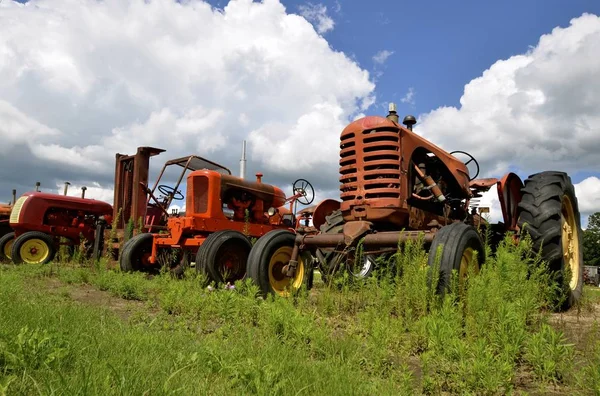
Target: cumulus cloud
382,56
588,196
317,15
409,97
93,191
531,111
83,80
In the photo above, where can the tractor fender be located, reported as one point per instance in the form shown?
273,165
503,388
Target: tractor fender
509,195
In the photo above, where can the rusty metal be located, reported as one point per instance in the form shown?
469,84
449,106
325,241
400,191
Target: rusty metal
509,195
322,210
354,230
379,239
83,189
67,184
14,196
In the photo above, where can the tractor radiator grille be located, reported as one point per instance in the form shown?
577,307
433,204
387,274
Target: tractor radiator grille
16,210
197,195
370,166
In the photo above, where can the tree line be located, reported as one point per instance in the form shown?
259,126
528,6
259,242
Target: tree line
591,241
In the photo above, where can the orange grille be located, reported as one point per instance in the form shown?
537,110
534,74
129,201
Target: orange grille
369,166
197,195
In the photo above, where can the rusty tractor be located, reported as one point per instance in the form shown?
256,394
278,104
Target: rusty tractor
223,213
40,220
396,186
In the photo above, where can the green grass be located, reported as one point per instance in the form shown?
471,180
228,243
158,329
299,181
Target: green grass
384,336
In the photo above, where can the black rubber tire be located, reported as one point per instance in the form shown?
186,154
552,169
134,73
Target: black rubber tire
260,257
540,216
3,241
453,240
215,250
134,250
47,239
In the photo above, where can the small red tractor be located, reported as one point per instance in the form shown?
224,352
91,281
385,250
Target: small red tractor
396,186
223,213
40,220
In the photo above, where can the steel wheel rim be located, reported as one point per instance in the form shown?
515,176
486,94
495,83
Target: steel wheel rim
570,240
280,283
8,248
466,261
367,264
34,251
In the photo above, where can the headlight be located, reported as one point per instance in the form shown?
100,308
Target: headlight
272,211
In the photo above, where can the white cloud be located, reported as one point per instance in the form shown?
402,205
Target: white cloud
382,56
317,15
533,111
588,195
409,97
83,80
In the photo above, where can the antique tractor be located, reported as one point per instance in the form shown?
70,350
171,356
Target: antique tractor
396,186
223,213
6,235
41,220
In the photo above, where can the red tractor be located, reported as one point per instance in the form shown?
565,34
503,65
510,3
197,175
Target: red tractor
396,186
40,220
223,213
5,241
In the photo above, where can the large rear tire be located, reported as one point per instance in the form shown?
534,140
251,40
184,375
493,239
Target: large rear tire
456,246
6,244
33,247
223,256
267,261
549,213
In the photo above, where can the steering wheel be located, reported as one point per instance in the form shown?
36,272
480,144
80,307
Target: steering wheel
471,159
304,188
168,190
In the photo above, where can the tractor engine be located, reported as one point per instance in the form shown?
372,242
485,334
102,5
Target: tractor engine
370,171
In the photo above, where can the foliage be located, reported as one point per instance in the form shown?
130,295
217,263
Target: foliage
388,334
591,241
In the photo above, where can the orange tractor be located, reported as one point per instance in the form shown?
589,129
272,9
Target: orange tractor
396,186
222,214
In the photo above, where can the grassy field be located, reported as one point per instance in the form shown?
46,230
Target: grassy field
85,330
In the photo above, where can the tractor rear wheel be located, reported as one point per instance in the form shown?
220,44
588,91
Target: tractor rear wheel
6,243
33,247
136,254
549,213
454,247
268,261
223,256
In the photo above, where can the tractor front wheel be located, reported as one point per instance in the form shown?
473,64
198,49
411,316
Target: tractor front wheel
6,244
33,247
136,254
457,246
268,262
223,255
549,213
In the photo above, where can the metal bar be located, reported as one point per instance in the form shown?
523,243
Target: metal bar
371,240
14,195
243,161
98,242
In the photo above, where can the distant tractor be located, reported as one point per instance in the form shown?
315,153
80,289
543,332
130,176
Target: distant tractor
396,186
6,235
41,220
223,213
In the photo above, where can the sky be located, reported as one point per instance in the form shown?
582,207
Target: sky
513,83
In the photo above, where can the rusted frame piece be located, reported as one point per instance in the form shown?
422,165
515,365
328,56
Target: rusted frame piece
374,240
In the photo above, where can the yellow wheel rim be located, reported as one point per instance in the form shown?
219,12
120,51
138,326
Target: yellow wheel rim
34,251
8,248
280,283
570,241
468,261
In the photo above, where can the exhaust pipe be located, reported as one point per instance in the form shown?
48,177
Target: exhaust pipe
14,192
83,191
67,184
243,161
37,186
